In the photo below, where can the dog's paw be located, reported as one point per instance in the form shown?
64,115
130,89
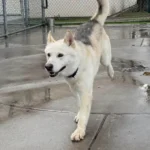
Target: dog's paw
78,135
76,119
110,72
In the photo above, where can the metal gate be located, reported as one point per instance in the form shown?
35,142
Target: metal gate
20,15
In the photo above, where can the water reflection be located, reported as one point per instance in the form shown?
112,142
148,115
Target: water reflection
38,36
143,32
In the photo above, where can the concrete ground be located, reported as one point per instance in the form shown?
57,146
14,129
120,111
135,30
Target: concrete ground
37,112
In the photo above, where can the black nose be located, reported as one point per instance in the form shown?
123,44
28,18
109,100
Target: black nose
49,67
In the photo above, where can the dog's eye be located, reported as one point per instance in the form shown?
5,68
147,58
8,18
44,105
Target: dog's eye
48,54
60,55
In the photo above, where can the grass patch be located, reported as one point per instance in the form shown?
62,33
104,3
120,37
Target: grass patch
78,21
71,20
129,22
134,14
62,21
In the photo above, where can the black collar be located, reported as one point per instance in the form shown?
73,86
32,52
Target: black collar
73,75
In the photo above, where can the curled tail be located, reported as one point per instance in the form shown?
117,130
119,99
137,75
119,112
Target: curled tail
102,12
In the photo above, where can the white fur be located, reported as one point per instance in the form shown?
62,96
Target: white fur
101,17
87,59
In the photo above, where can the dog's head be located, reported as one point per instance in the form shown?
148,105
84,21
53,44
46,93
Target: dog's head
62,57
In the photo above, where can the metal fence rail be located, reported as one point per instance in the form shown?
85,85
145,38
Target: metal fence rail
19,15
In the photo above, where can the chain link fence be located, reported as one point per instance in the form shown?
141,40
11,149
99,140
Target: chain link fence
19,15
16,15
72,11
1,20
132,11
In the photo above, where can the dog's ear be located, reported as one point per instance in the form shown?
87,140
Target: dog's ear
50,38
69,39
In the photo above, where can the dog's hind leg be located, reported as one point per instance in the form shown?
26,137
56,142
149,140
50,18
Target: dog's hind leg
110,71
106,58
106,61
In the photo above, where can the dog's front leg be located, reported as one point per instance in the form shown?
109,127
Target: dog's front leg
75,92
76,119
84,112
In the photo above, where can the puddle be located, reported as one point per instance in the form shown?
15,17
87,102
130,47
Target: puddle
123,73
127,65
32,97
125,68
141,32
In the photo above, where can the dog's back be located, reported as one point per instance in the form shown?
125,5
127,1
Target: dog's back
84,31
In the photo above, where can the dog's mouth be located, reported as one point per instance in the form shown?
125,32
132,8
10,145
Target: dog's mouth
54,74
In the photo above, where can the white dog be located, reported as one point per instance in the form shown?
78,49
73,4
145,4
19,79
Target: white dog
77,58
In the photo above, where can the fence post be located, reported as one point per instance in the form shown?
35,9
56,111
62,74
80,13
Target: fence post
148,6
140,5
51,24
22,8
26,12
5,18
43,11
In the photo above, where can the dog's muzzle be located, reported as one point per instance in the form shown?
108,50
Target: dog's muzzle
54,74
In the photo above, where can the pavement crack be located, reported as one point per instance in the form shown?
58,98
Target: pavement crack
37,109
142,43
98,131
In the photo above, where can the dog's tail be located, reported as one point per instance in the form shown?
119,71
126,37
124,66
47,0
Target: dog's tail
102,12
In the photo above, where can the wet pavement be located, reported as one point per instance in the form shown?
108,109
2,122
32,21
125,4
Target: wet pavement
124,132
38,36
37,112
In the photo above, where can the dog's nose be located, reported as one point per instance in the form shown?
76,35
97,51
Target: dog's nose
49,67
